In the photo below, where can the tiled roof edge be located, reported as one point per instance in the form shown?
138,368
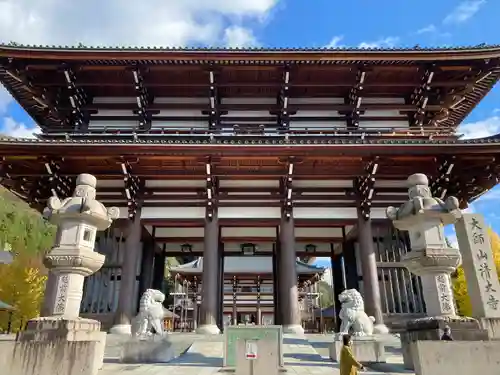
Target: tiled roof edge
263,142
82,47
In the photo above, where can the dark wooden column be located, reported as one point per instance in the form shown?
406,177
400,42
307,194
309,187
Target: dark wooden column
124,312
259,311
159,269
276,295
210,277
371,287
348,265
147,264
289,296
220,312
195,303
235,297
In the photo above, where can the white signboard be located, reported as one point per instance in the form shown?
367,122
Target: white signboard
479,266
251,350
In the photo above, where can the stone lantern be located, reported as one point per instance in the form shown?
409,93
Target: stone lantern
64,336
424,216
73,257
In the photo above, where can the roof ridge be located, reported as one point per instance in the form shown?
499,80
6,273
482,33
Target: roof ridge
81,47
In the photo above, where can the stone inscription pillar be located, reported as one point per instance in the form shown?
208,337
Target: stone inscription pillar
289,296
210,278
371,286
122,323
479,266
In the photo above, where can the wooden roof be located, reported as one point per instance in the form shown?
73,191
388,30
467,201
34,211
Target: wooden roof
34,168
440,86
254,265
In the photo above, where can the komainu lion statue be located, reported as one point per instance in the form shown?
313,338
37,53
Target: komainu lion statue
151,313
353,314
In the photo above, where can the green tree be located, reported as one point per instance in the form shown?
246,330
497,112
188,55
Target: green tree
29,237
22,285
22,227
326,294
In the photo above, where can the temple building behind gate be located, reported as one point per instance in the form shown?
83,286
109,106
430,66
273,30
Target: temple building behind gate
249,164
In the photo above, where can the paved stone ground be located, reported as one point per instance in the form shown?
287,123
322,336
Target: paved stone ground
203,355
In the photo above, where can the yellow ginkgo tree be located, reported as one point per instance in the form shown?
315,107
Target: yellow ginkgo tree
22,285
462,298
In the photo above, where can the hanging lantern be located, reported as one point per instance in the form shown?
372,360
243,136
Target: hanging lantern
248,248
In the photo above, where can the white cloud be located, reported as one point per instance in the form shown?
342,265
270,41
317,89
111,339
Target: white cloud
334,43
480,129
5,99
127,22
12,128
427,29
464,11
238,37
388,42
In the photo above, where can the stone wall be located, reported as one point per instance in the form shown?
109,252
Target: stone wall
456,357
58,357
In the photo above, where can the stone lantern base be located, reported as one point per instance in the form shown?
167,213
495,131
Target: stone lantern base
55,345
431,328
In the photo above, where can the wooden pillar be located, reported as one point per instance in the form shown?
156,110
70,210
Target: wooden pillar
220,313
259,312
371,287
210,277
124,312
235,311
276,297
159,269
289,296
195,303
147,267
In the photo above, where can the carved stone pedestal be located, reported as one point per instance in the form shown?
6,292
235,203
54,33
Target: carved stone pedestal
365,349
492,326
58,346
431,328
153,349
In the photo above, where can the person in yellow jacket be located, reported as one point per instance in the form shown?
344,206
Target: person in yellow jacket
348,364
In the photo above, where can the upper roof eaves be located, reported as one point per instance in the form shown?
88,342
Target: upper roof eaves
83,48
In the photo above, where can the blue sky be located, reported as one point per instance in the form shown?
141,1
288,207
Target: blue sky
266,23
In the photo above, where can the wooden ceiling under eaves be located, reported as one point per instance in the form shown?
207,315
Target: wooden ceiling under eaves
441,86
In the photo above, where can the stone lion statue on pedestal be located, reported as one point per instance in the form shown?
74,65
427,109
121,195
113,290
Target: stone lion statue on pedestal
151,314
353,314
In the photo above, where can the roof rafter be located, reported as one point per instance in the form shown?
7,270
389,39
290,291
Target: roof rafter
355,99
283,113
144,100
78,99
133,188
211,190
287,188
440,184
214,98
420,97
364,188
